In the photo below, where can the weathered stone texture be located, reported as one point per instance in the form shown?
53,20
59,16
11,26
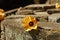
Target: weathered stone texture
14,31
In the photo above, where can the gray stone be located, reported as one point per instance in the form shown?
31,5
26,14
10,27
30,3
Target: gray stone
52,11
24,12
14,31
54,18
42,7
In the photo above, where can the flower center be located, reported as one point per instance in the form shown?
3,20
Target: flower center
31,23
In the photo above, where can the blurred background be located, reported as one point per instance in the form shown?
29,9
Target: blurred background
11,4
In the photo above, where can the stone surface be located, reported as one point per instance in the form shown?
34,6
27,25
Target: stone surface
52,11
54,18
13,31
42,7
25,12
